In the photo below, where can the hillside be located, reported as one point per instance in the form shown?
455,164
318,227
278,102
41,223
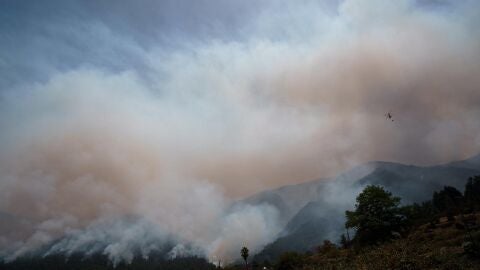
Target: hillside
311,213
441,246
323,217
443,232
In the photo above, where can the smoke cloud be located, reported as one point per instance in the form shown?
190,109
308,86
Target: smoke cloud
153,136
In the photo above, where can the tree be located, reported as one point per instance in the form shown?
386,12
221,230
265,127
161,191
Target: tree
290,261
448,200
472,193
244,253
376,215
327,247
418,214
343,241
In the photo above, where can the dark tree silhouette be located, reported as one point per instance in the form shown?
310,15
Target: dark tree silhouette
472,193
376,215
448,201
244,253
343,241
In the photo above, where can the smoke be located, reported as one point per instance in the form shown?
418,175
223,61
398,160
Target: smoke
171,136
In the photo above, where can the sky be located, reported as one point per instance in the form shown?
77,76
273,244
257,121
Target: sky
169,110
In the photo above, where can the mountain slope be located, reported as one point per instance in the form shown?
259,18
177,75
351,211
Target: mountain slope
323,217
290,199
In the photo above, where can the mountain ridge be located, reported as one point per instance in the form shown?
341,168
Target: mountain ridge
323,217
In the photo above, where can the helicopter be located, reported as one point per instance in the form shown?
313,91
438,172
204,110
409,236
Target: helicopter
389,116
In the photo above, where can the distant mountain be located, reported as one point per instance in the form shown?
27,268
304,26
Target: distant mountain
288,199
322,215
291,198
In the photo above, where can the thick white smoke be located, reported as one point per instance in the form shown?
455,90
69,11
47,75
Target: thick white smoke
157,155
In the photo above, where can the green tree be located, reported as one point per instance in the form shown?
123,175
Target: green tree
418,214
244,253
376,216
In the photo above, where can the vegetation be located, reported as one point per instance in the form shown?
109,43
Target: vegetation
244,254
376,217
101,262
472,194
442,233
